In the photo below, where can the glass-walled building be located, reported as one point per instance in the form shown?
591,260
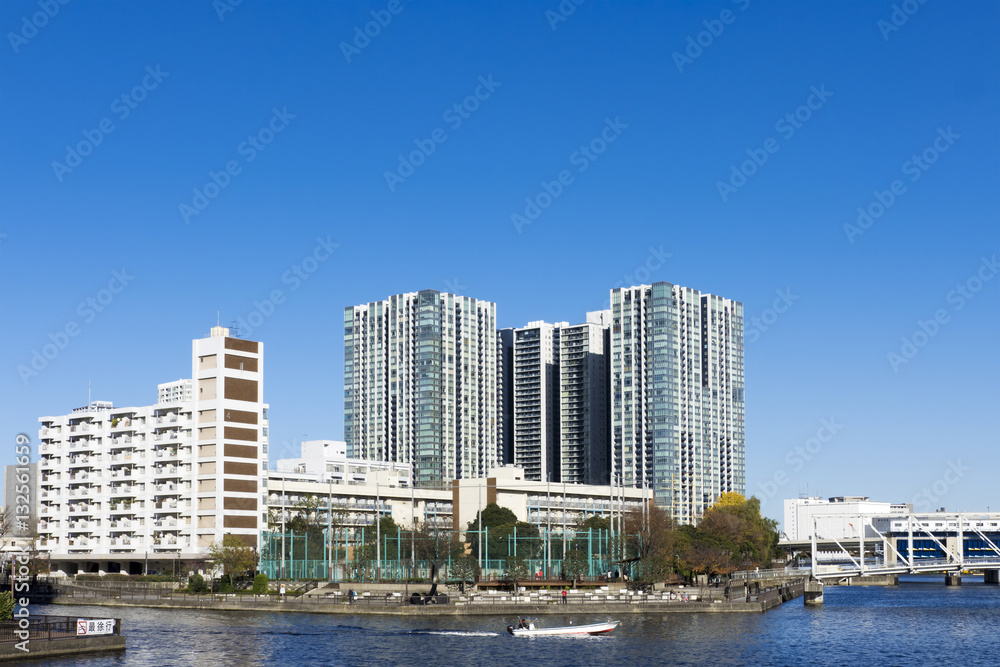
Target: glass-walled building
677,395
421,385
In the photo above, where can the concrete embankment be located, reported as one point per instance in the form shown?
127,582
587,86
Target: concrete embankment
487,605
39,649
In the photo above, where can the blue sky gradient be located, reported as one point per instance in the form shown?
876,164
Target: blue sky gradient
336,124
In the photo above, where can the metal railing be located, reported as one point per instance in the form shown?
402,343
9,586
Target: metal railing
47,628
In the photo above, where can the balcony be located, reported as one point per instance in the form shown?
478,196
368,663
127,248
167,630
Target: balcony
169,488
84,509
82,542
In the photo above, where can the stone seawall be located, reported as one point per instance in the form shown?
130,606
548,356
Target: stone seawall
47,648
305,605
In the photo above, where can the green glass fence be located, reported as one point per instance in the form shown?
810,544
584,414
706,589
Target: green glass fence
357,555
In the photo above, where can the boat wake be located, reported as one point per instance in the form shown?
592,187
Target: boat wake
454,633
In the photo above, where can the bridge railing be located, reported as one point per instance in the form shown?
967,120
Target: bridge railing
752,575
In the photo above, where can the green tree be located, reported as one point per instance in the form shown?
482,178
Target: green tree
6,606
593,522
731,535
234,555
196,584
501,527
260,584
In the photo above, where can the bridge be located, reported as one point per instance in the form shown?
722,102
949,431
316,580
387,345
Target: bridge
911,543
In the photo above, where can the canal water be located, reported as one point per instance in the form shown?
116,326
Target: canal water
921,621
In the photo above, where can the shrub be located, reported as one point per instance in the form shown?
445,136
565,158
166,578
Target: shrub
260,584
226,584
196,584
6,606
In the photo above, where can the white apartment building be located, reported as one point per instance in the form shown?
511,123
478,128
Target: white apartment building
420,384
327,461
134,489
677,402
175,392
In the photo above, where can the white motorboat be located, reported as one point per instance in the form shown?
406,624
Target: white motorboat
526,627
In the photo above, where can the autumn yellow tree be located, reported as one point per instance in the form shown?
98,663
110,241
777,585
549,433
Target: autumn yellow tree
730,502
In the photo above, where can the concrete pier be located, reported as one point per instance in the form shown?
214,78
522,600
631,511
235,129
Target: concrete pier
814,593
991,577
953,579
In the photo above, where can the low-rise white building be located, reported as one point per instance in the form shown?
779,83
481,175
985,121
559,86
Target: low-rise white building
326,460
832,517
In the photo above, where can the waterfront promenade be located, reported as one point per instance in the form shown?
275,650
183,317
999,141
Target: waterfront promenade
746,597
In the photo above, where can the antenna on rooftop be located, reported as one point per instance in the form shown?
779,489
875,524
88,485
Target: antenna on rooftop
234,330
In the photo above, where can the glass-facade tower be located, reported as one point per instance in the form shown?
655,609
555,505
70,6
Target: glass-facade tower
677,405
420,384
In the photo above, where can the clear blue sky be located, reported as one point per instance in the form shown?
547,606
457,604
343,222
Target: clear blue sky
881,93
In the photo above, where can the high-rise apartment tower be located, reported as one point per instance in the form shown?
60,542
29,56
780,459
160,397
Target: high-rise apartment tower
677,399
421,385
